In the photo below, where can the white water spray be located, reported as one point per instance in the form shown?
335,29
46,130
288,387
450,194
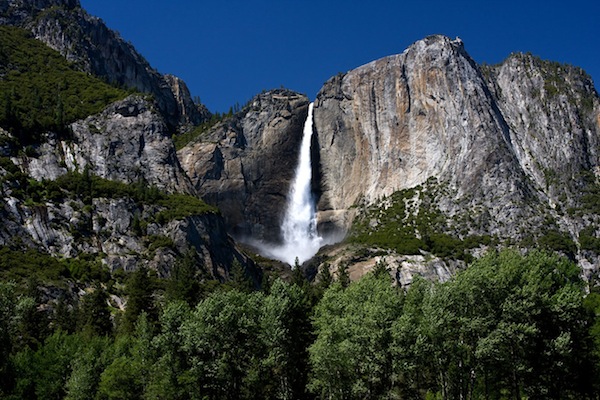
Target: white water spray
299,228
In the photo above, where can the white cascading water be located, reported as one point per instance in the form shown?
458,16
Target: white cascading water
299,228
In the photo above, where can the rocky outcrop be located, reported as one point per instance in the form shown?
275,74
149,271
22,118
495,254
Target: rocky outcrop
552,111
189,111
244,164
18,12
402,268
510,151
87,42
426,113
128,142
106,229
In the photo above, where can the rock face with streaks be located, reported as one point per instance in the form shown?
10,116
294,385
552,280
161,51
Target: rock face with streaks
426,113
509,153
145,213
511,148
128,143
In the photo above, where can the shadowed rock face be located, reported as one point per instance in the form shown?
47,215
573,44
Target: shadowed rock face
431,113
245,165
552,112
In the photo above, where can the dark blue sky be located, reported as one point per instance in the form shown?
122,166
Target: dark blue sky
228,51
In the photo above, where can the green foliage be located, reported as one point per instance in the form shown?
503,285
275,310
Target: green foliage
94,314
509,326
221,340
397,224
180,206
324,280
549,237
41,91
41,373
9,317
159,241
183,284
351,357
588,239
590,198
343,277
20,265
87,366
516,322
139,289
239,279
558,241
285,334
86,187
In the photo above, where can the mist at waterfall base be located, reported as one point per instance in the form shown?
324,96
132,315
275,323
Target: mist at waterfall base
301,240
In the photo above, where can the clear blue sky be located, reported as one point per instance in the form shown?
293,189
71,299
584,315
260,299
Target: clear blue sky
228,51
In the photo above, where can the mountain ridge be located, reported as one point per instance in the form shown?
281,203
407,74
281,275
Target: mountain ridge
88,43
428,123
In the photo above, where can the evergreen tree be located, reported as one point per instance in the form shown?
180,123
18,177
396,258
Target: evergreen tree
286,334
381,269
351,357
183,284
325,277
343,276
239,278
33,323
139,289
65,316
94,314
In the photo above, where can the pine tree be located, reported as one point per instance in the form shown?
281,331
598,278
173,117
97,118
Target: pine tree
94,314
139,289
343,276
381,270
239,278
183,284
325,277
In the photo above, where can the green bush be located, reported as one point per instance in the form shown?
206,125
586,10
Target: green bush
179,206
407,230
85,187
158,241
588,239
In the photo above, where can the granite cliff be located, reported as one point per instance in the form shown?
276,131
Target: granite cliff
506,152
420,157
114,190
106,187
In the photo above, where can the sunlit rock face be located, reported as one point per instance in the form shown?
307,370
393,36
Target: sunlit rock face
489,135
396,122
127,142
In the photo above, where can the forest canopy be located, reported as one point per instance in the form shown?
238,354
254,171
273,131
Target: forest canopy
509,326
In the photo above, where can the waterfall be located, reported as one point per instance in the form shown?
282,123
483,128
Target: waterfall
299,227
